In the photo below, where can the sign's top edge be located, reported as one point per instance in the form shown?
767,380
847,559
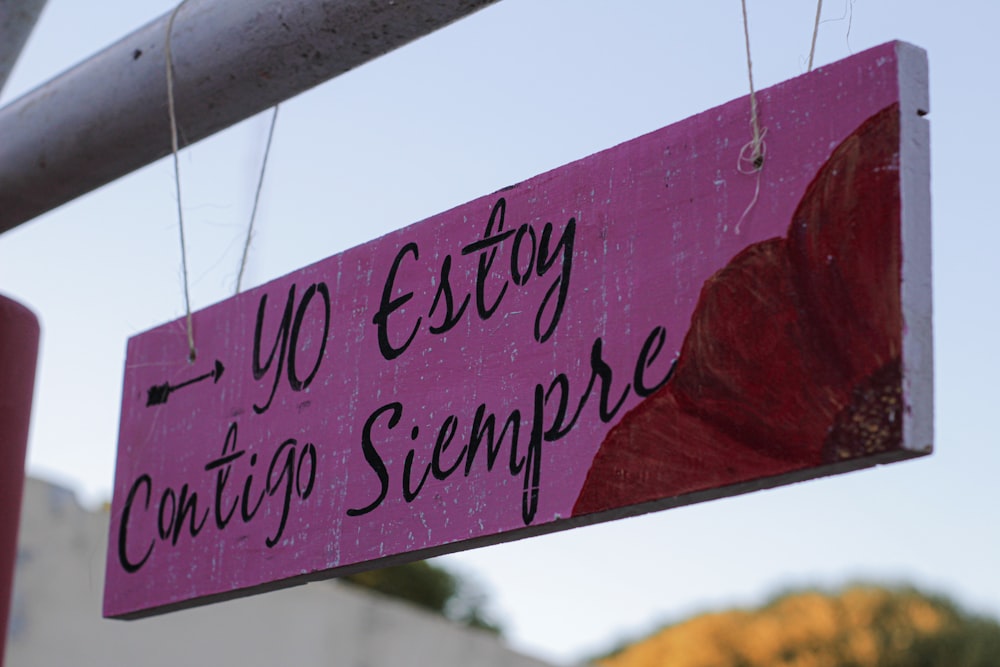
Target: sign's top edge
900,52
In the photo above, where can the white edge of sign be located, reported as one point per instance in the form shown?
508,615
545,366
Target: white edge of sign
916,287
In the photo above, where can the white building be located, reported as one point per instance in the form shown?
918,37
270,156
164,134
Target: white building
55,617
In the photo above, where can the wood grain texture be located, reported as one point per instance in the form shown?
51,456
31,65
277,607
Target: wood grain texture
612,337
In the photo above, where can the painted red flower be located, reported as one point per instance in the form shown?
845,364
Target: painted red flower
792,359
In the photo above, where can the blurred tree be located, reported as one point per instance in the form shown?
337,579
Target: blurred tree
433,588
860,626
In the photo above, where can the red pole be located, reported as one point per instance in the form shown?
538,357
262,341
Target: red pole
18,358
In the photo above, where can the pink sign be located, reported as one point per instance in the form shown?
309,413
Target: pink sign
623,334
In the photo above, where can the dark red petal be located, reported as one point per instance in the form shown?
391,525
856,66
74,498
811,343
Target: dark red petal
793,354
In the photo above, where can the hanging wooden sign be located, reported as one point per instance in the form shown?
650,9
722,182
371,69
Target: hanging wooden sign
622,334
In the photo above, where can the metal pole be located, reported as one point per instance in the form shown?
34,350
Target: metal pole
17,19
232,59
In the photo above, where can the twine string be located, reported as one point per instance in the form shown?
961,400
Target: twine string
175,149
848,16
256,200
751,158
812,48
756,166
752,155
192,352
850,22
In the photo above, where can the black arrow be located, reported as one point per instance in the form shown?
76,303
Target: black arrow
158,394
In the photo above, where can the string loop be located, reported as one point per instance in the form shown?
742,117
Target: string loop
754,150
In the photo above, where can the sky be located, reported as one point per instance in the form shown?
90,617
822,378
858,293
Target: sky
514,90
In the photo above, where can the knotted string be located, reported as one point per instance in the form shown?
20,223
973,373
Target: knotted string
751,156
753,153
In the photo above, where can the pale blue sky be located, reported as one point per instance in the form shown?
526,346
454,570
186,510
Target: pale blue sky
517,89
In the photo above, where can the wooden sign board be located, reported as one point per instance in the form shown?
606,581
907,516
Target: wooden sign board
616,336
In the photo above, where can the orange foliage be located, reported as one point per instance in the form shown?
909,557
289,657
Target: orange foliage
863,626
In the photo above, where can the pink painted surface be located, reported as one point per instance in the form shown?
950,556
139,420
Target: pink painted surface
18,358
450,384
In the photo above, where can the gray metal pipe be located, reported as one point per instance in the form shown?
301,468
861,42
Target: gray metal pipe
232,59
17,20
